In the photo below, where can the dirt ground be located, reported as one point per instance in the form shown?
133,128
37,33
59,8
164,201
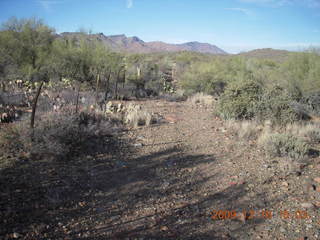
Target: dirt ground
188,177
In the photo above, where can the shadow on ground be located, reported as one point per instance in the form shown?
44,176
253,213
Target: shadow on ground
119,196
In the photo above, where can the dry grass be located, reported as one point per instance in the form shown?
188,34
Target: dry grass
245,129
202,99
291,141
310,131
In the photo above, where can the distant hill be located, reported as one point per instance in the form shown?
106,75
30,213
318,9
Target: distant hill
266,53
136,45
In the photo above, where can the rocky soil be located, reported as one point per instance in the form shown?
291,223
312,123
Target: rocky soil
188,177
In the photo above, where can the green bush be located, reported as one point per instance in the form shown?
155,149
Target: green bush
240,99
314,135
211,77
285,145
312,102
301,72
276,105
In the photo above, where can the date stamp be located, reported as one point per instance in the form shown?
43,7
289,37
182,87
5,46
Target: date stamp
255,214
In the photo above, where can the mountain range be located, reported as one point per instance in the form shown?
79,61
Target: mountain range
123,43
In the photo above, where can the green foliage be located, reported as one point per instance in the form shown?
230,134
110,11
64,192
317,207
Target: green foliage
301,73
208,77
240,100
285,145
28,43
275,104
249,87
73,59
257,88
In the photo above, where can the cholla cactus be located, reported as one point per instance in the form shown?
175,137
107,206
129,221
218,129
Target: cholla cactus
110,107
114,108
120,108
168,87
135,116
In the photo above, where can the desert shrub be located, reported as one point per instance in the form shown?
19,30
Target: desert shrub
211,77
283,145
275,104
313,135
240,100
301,72
312,102
202,99
57,135
310,132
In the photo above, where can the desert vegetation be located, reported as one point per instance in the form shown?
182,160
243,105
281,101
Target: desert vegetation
80,122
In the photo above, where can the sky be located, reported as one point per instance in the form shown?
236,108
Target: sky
233,25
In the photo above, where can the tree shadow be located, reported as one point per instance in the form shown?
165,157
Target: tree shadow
161,195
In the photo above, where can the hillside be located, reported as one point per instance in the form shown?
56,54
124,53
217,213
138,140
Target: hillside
266,53
136,45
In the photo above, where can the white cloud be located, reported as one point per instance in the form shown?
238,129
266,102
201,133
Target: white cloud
129,3
47,4
242,10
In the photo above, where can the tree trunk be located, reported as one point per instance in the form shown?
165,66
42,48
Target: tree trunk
117,81
34,105
124,79
97,88
77,102
3,87
108,87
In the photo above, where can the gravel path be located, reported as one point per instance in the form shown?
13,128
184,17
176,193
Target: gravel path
189,178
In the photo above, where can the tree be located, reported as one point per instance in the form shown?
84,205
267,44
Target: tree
74,59
8,67
106,63
29,46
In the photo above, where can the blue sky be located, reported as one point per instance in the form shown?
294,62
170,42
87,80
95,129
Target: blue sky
233,25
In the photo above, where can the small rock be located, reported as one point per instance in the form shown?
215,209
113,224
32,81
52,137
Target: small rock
242,217
137,145
164,228
306,205
282,230
317,204
165,184
285,184
16,235
140,138
317,179
223,130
